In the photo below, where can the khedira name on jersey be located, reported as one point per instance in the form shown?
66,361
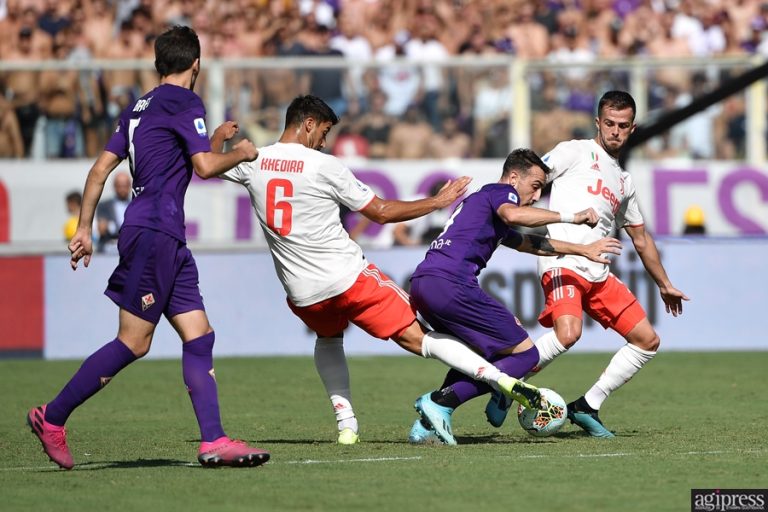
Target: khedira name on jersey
280,165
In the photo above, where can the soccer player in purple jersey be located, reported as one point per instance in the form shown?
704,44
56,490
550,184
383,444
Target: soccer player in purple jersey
445,289
165,139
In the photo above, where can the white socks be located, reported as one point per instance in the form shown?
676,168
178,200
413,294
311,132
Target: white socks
549,348
624,365
331,365
459,356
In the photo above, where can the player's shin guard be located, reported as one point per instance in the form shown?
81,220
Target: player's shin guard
459,356
94,374
623,366
197,367
331,365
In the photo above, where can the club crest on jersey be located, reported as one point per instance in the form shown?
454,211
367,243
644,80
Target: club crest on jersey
512,198
147,301
200,127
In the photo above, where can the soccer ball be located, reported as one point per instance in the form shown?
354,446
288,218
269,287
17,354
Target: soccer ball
547,421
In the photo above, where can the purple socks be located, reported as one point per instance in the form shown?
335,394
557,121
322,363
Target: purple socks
197,366
94,374
515,365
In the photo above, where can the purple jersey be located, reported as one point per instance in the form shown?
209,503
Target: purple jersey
159,134
470,237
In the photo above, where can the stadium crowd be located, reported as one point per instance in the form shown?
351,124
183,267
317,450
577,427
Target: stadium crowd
403,108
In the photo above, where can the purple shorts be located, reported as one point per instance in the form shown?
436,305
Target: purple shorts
156,275
467,312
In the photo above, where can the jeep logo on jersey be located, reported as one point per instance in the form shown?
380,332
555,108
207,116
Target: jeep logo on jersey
200,127
606,193
362,187
512,198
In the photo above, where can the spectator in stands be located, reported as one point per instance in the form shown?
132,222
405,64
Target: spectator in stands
61,99
326,83
450,142
529,37
350,143
401,82
121,84
376,125
491,110
74,201
11,143
55,17
110,213
694,221
410,136
22,87
425,47
265,127
355,47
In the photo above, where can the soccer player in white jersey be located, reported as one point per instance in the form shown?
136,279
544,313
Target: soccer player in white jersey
586,173
296,191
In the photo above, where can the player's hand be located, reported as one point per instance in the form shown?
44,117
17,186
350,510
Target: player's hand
607,245
588,217
80,247
247,149
451,191
673,300
226,130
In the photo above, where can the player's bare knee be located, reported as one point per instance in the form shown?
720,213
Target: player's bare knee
139,347
411,338
650,343
568,336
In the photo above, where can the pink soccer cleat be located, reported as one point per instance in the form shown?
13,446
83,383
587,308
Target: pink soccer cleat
229,452
53,438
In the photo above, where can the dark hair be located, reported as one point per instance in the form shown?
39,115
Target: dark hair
75,197
521,160
176,50
617,100
303,107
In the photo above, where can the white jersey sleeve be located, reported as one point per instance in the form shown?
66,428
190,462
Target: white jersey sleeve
564,156
237,174
344,187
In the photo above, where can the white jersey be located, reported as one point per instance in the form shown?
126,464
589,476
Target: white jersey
296,192
583,175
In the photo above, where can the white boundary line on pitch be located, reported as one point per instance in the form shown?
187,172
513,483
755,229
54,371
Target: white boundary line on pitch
634,454
344,461
393,459
195,464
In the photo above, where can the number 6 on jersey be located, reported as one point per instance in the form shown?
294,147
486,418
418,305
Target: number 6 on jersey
285,208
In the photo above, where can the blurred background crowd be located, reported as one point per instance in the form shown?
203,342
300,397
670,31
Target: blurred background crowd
393,103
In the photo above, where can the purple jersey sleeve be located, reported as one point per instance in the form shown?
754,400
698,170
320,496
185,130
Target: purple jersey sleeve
192,130
503,195
118,143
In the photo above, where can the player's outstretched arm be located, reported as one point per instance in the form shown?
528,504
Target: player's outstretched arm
543,246
532,217
383,211
81,245
211,164
649,255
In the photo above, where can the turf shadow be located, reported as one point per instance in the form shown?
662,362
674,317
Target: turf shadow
131,464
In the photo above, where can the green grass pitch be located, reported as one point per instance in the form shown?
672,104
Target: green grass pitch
688,420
